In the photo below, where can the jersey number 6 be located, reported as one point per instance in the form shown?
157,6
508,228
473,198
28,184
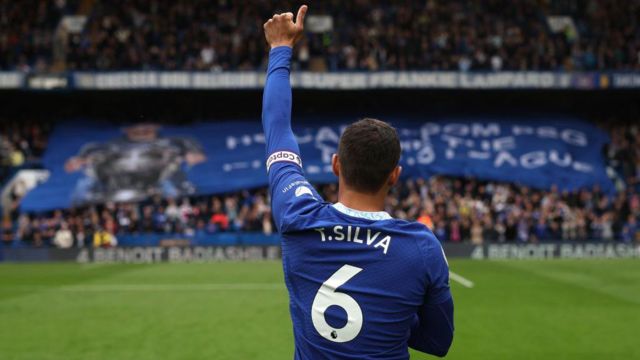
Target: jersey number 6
328,296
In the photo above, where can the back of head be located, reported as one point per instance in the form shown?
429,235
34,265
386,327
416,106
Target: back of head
368,152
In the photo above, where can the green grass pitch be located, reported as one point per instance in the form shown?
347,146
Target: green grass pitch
555,309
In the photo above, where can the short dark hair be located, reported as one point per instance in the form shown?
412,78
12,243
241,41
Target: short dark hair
369,150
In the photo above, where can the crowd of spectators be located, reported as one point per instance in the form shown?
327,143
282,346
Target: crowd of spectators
456,209
21,142
623,152
245,211
27,30
468,210
366,35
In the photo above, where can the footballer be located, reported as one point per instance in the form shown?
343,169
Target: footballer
362,285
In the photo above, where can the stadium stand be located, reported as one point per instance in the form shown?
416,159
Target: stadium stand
487,35
22,143
27,32
457,209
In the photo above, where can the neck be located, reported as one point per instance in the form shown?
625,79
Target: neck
361,201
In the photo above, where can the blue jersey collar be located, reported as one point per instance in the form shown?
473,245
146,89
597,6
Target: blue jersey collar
369,215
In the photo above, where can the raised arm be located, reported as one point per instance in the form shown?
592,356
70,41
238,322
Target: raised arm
281,34
292,197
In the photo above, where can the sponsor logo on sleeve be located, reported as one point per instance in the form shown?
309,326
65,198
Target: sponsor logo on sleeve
279,156
303,190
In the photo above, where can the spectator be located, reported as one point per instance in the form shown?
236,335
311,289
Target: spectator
63,238
16,156
7,233
219,219
425,219
476,233
103,238
631,231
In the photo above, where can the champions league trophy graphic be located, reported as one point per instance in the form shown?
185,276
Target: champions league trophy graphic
132,167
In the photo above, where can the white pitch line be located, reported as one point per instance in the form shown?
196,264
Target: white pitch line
186,287
461,280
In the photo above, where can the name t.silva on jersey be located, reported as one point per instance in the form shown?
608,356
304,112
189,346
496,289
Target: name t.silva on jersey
356,234
350,295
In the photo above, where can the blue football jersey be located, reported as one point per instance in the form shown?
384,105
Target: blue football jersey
356,280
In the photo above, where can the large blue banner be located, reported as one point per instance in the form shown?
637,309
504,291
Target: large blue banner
94,162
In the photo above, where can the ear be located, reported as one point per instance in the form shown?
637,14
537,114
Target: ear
394,176
335,165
